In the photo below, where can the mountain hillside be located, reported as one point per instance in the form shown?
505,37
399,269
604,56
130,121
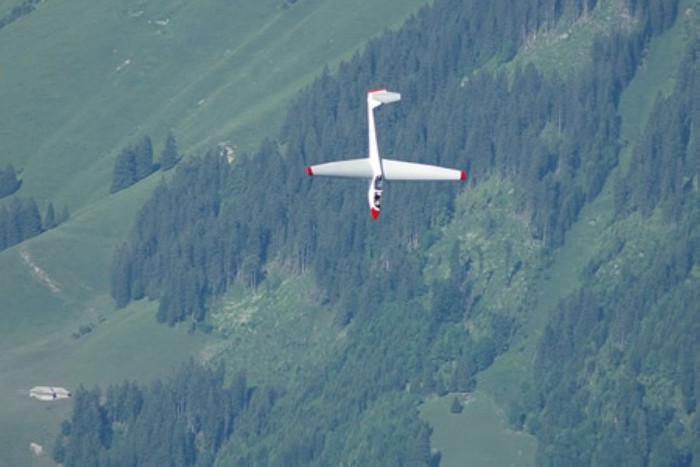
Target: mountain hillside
423,303
550,305
81,82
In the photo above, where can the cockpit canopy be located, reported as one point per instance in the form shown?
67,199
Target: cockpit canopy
378,182
377,200
375,192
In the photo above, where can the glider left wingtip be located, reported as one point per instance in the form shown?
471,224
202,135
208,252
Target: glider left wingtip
309,171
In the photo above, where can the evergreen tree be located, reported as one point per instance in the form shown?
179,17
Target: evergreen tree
143,155
30,219
13,232
124,172
4,227
58,453
133,163
8,181
169,157
456,406
121,277
50,218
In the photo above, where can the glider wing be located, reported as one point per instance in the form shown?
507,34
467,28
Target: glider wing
353,168
402,170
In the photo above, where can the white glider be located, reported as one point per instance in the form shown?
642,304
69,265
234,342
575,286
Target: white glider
378,169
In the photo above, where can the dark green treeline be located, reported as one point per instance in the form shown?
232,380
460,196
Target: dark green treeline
616,380
20,218
180,421
556,139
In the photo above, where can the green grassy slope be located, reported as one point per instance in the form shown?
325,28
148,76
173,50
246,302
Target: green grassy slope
479,435
87,78
588,237
80,80
213,73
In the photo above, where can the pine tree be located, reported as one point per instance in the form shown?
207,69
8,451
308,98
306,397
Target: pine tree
59,450
50,218
456,406
124,172
169,157
8,181
121,277
143,159
29,221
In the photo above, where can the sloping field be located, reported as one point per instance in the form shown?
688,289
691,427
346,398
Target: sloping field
476,436
79,80
82,79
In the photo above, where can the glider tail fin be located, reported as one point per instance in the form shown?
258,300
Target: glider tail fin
377,97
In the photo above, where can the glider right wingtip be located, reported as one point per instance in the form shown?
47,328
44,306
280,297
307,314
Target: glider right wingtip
309,171
463,176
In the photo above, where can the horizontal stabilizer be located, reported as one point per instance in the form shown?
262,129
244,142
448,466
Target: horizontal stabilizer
402,170
382,96
353,168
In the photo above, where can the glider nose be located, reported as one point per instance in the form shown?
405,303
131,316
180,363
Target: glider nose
374,212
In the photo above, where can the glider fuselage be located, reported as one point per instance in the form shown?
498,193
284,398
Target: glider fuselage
375,191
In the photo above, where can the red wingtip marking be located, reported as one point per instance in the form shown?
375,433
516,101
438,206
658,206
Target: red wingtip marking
309,172
375,213
376,90
463,177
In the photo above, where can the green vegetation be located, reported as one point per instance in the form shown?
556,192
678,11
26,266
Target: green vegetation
560,285
69,109
212,72
461,300
631,286
13,10
20,220
479,432
9,183
134,163
183,421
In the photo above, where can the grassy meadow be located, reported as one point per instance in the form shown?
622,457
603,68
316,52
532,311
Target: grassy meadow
476,436
79,80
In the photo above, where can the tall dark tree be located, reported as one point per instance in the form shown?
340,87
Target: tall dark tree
9,183
133,163
143,154
124,172
4,227
25,216
50,218
121,277
169,157
20,220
